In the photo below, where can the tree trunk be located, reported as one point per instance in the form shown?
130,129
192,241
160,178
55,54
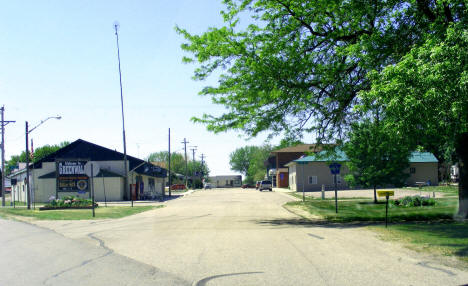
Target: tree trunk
462,152
375,194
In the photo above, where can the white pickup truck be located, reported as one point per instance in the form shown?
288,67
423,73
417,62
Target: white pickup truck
265,185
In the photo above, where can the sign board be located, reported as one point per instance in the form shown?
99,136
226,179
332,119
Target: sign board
71,176
335,168
385,193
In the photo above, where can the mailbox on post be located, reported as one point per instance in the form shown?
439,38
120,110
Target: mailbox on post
386,194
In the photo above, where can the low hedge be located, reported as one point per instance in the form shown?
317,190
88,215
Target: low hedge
68,202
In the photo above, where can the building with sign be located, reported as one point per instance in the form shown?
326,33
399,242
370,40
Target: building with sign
314,171
68,172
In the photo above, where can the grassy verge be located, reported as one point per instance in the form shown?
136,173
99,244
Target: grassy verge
365,210
440,238
74,214
446,190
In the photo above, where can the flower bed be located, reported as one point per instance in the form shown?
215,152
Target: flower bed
68,202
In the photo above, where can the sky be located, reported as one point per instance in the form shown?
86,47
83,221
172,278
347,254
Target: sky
60,58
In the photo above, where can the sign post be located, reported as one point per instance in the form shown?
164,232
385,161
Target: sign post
386,194
335,170
92,188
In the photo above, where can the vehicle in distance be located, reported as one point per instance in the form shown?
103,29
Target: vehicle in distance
178,187
207,186
247,186
257,185
265,185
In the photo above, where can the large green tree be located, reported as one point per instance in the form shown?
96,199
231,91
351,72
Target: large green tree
376,157
249,161
425,98
298,66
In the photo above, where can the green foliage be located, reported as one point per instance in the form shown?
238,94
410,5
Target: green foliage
178,164
414,201
249,161
39,154
298,65
424,96
69,202
376,158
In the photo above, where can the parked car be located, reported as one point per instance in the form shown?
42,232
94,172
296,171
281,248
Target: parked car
178,187
247,186
257,185
265,185
207,186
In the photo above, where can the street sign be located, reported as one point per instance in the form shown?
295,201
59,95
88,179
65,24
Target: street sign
335,168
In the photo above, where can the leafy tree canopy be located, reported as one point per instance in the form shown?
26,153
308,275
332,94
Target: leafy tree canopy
249,161
376,157
297,66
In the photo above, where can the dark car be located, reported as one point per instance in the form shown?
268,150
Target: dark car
247,186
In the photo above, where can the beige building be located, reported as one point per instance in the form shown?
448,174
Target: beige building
227,181
145,180
313,172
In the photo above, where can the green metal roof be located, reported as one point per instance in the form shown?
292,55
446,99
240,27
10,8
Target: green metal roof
340,156
422,157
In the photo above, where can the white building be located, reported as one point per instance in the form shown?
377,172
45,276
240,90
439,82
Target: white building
145,180
227,181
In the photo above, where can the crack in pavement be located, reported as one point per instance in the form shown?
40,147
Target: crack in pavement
83,263
203,281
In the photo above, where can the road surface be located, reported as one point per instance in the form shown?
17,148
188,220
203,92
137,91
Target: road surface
246,237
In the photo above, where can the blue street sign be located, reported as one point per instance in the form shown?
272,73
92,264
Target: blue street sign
335,168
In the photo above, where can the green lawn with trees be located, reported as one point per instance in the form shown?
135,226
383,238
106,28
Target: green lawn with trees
311,68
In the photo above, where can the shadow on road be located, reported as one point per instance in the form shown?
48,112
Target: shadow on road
301,222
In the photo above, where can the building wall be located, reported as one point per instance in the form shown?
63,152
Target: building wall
321,171
423,172
225,181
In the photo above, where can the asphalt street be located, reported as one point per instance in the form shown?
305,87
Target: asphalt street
216,237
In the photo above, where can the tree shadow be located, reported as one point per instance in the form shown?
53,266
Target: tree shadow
302,222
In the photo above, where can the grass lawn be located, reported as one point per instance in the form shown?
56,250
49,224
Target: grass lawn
75,214
442,238
365,210
447,190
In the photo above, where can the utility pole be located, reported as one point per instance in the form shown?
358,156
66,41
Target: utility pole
185,150
193,171
3,123
170,179
27,168
202,163
129,196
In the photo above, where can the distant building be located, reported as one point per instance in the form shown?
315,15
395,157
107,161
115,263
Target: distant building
314,171
276,162
227,181
146,181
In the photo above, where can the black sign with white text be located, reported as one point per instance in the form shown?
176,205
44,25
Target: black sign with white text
71,176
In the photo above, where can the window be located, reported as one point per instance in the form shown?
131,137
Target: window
312,180
412,170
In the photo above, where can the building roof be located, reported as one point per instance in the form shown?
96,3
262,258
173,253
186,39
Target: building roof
81,149
340,156
423,157
302,148
102,173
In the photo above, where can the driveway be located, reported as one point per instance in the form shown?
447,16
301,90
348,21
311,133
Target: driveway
245,237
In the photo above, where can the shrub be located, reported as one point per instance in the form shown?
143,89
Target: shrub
414,201
70,202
